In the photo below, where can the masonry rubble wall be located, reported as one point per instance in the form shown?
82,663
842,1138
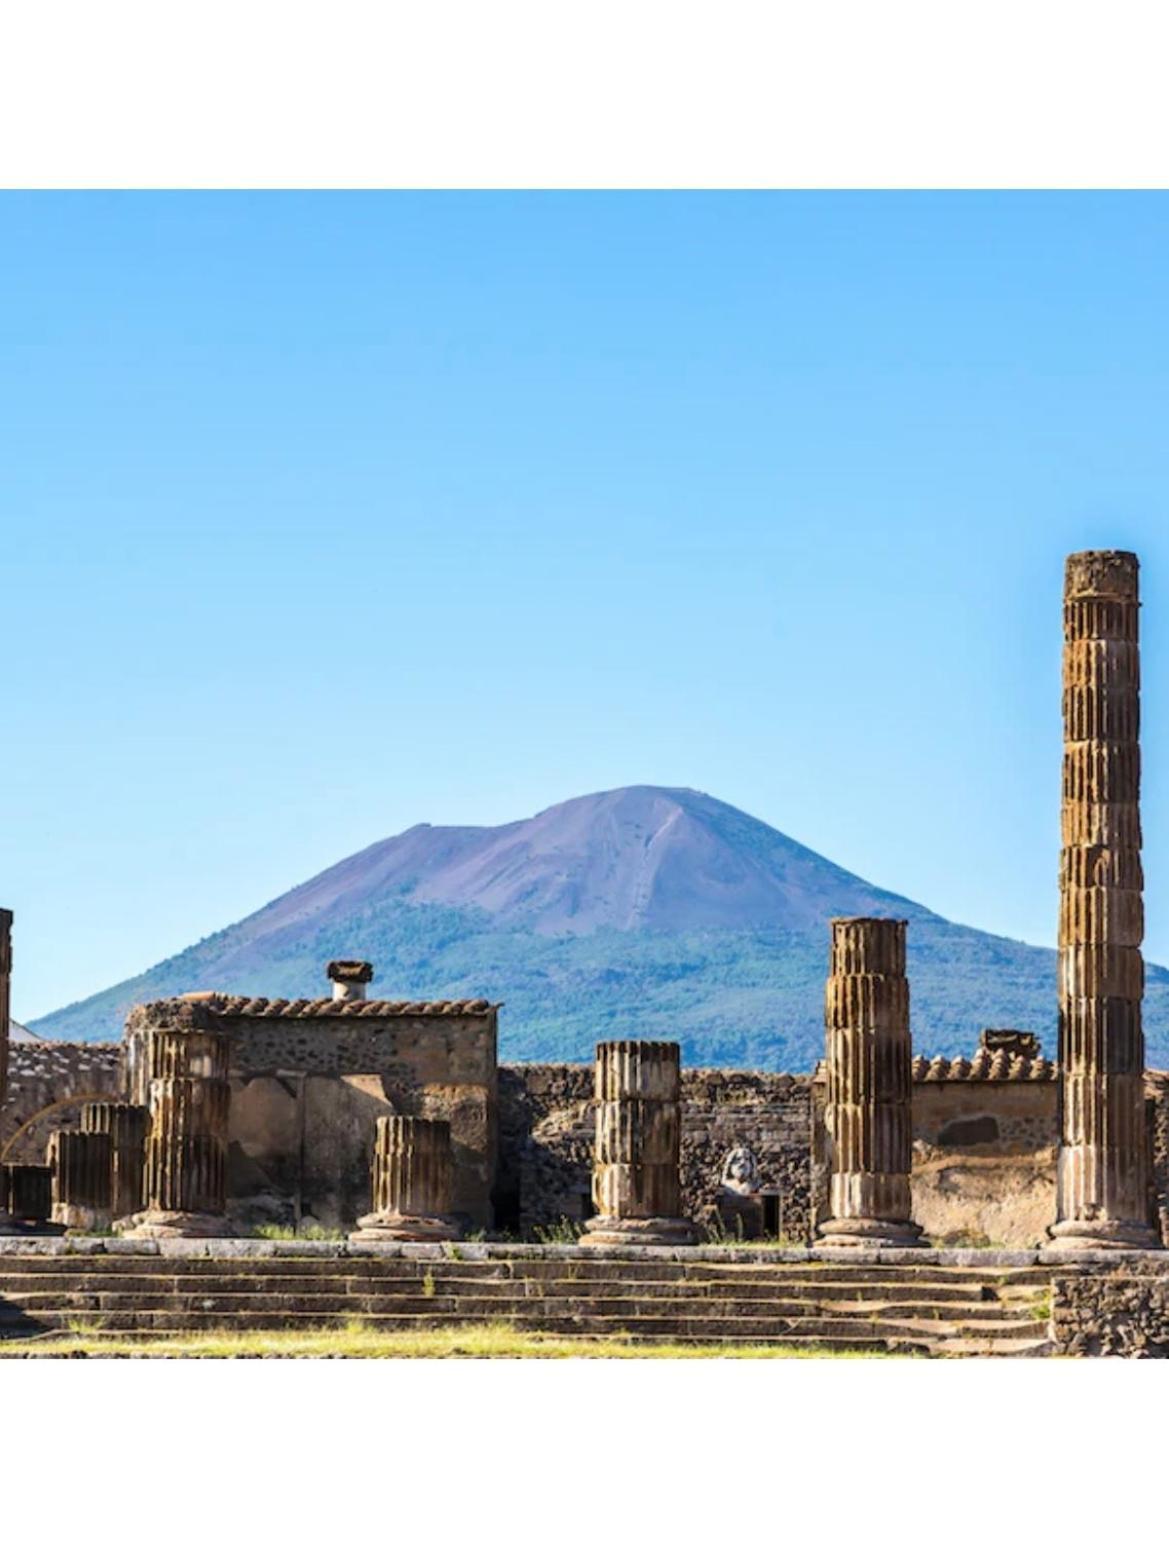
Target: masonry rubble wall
47,1085
546,1130
1118,1309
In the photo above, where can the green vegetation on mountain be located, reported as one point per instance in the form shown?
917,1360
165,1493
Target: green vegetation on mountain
528,926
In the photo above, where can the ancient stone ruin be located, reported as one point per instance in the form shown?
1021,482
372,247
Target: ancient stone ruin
1103,1169
869,1056
411,1182
82,1166
376,1136
636,1186
126,1127
185,1184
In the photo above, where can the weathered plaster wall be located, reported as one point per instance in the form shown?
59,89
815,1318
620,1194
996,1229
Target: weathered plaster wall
984,1160
308,1085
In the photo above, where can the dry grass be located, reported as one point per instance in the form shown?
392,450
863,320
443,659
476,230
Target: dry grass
492,1341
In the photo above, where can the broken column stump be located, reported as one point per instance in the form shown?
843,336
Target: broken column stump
1102,1188
868,1117
82,1167
411,1180
184,1187
26,1197
126,1125
637,1188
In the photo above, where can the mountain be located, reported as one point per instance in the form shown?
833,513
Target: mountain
645,911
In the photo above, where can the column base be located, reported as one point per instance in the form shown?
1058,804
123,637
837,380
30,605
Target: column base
858,1232
385,1225
605,1231
161,1224
1101,1236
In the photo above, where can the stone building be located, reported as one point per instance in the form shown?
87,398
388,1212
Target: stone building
307,1087
1006,1147
310,1078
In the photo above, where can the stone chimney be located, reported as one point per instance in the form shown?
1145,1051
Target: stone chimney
350,978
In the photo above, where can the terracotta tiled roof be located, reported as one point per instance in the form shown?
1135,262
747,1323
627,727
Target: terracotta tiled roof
986,1066
261,1006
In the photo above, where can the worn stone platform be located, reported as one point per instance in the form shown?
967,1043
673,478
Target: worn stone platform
936,1302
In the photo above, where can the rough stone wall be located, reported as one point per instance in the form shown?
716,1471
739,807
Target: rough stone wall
1157,1107
546,1128
47,1083
768,1112
1123,1312
544,1167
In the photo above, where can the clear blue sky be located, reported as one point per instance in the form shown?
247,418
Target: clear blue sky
324,515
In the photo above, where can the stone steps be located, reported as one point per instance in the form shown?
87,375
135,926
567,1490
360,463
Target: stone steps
730,1329
900,1308
444,1266
772,1294
989,1315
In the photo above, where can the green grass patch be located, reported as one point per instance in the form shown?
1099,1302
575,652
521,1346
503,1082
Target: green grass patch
490,1341
310,1231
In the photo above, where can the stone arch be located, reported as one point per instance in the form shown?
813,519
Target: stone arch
30,1141
45,1075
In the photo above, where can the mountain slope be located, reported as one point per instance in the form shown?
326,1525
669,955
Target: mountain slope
645,910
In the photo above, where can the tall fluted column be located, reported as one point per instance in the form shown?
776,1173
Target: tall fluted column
5,997
637,1185
7,1220
869,1086
1103,1159
186,1148
82,1166
126,1125
412,1174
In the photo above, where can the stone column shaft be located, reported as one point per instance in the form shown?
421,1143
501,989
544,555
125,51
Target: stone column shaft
412,1176
126,1125
6,1217
1103,1162
637,1187
5,997
868,1110
185,1179
82,1169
